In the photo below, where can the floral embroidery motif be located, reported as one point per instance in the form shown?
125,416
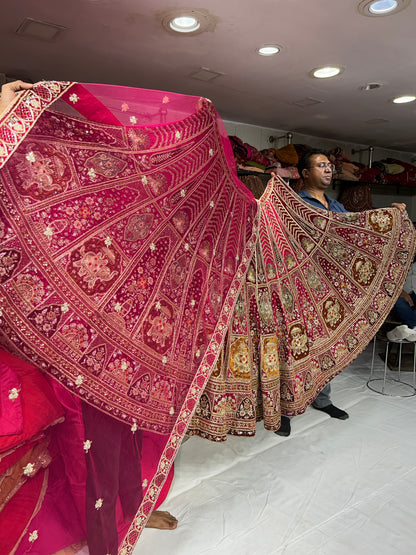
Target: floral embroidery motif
95,359
94,266
270,271
364,270
161,327
381,221
270,357
240,366
181,221
327,363
140,389
74,98
30,157
314,280
333,313
9,260
319,222
105,164
307,244
287,299
246,409
351,342
139,139
203,408
138,227
290,262
46,319
298,341
14,393
33,536
43,171
29,469
87,445
99,503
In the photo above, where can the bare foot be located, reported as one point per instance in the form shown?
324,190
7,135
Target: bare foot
162,520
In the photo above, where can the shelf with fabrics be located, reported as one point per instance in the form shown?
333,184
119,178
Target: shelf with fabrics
254,167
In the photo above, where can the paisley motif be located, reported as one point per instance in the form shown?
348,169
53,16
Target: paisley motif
138,227
105,164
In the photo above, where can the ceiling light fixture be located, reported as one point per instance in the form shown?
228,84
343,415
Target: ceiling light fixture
269,50
404,99
187,21
184,24
382,7
326,72
377,8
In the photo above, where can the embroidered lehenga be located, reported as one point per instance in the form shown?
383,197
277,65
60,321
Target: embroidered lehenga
139,273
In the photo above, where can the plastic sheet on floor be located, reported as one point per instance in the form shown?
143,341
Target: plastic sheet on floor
331,488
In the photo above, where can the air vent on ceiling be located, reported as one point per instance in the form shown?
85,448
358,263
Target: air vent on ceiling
306,102
370,86
39,29
205,74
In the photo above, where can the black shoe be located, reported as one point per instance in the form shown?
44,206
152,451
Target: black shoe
334,412
284,429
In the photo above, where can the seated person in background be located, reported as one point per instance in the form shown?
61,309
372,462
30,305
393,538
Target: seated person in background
405,309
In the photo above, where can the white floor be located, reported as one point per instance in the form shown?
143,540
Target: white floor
331,488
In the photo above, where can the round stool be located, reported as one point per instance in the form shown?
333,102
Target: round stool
394,387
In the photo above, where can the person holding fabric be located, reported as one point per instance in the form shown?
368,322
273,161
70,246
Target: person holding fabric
316,171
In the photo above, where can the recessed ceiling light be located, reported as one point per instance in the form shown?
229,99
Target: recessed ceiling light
376,8
404,99
187,21
382,6
184,24
325,72
268,50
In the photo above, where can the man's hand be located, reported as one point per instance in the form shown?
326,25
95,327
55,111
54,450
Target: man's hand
9,91
407,297
399,205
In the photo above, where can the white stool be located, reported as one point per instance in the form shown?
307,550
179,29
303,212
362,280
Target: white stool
394,387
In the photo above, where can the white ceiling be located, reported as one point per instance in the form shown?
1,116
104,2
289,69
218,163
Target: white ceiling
123,42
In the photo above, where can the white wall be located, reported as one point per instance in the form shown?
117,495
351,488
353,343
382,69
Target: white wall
381,195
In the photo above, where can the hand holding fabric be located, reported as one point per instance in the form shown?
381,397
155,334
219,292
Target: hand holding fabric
9,92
